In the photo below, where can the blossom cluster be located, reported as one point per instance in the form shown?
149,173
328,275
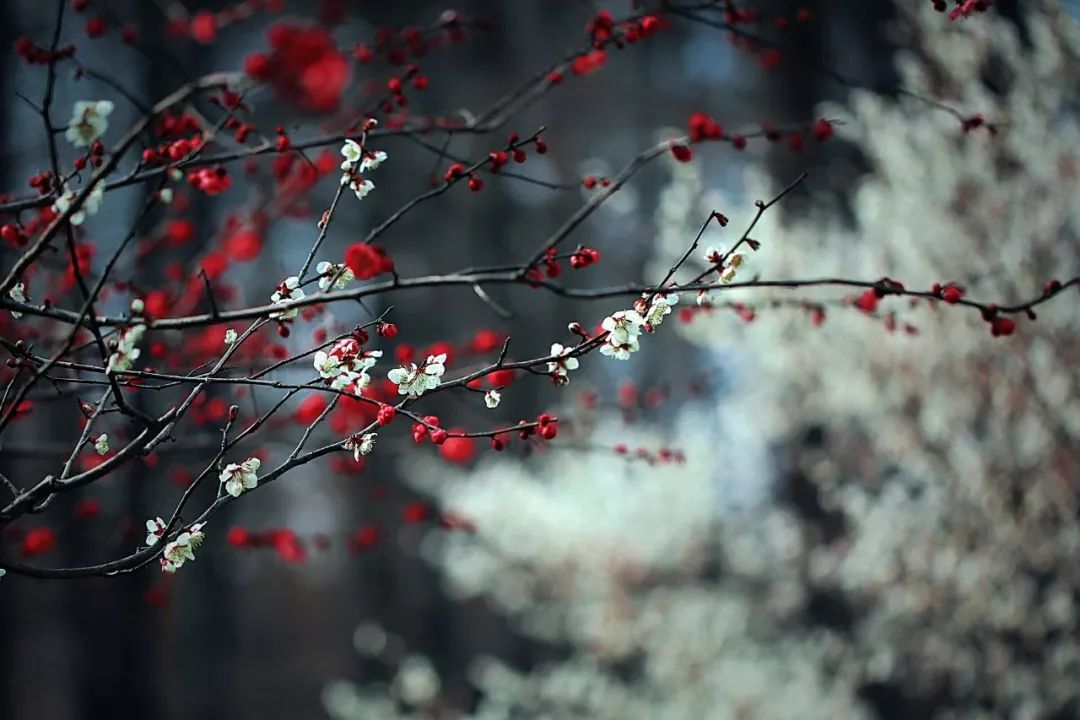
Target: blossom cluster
414,381
287,290
726,268
358,161
126,353
89,121
18,294
560,368
360,445
238,477
337,273
346,364
179,550
90,205
624,327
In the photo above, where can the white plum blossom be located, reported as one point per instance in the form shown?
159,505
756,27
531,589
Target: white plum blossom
101,444
182,548
623,329
18,294
196,533
353,154
154,530
733,263
138,307
713,256
492,398
346,364
289,289
88,122
358,380
360,187
620,351
560,369
230,336
659,307
89,206
126,351
361,444
372,161
238,477
328,366
165,195
356,162
415,381
328,271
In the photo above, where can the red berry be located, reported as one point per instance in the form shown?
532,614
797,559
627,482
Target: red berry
257,65
386,414
95,27
204,27
10,233
952,294
682,153
38,541
239,537
1001,326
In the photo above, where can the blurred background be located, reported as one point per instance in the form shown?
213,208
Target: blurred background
774,510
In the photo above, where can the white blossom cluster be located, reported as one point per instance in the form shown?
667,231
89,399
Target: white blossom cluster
18,294
560,368
361,445
337,273
126,353
624,327
238,477
613,558
287,290
89,121
414,381
356,162
90,205
950,455
346,364
178,551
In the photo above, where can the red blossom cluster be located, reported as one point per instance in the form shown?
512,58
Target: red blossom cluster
304,65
